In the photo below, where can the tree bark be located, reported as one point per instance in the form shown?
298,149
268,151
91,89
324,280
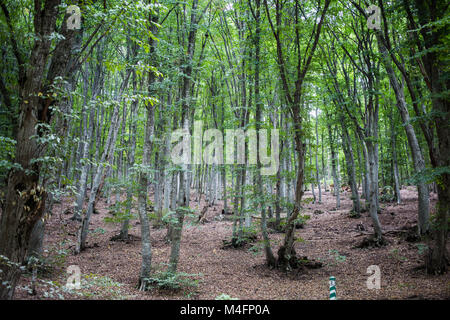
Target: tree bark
318,179
99,174
25,196
416,153
349,158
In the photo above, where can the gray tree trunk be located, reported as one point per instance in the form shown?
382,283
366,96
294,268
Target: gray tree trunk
131,160
348,151
88,135
318,179
99,175
334,168
146,250
397,186
416,153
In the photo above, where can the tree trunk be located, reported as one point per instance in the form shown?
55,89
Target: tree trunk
25,196
312,173
348,151
397,186
88,134
131,157
416,153
99,175
270,259
317,161
184,190
334,172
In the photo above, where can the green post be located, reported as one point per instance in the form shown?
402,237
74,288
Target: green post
332,288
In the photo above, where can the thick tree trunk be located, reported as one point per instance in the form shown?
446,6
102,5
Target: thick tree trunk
436,64
286,250
25,197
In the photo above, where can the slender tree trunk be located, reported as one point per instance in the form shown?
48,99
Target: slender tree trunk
348,151
416,153
312,173
131,158
99,175
184,191
88,134
317,161
397,186
334,164
270,259
142,197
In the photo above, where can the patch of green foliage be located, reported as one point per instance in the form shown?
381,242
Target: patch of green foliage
97,286
224,296
395,254
334,257
256,249
173,281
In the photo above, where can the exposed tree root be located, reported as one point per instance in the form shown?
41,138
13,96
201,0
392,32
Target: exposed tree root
304,262
202,216
126,239
119,237
372,242
291,262
144,285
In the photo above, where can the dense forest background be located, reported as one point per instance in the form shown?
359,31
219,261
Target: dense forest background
89,101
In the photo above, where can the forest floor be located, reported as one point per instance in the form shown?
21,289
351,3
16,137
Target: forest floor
110,269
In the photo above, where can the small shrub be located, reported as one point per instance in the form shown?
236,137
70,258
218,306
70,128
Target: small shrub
173,281
395,254
224,296
99,231
422,248
96,286
334,257
256,249
250,234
